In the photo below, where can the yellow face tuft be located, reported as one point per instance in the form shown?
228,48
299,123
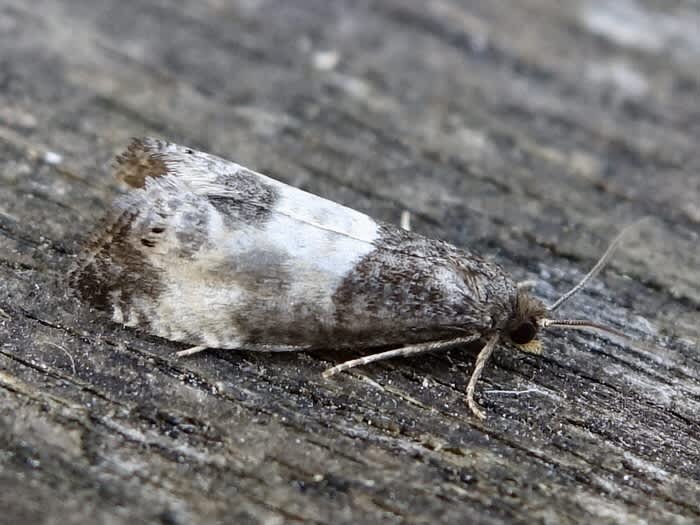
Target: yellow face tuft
532,347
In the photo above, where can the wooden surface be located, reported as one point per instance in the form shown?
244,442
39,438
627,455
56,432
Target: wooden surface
527,130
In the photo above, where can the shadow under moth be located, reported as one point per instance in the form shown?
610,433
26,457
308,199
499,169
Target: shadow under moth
209,253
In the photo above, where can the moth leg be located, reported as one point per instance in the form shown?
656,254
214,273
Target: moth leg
406,220
262,347
481,359
242,346
528,284
401,352
191,351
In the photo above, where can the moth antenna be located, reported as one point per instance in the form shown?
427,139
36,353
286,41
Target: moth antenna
596,268
582,324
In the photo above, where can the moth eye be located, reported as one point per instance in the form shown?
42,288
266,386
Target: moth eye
523,333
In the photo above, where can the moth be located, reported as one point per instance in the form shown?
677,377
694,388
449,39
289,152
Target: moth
206,252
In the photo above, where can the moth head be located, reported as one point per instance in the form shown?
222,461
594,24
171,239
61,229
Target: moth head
525,324
531,315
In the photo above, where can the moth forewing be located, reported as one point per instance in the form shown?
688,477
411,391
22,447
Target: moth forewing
204,251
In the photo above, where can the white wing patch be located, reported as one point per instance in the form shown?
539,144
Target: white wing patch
203,174
293,258
320,233
323,214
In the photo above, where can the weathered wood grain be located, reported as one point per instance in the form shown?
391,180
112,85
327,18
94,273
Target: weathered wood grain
528,130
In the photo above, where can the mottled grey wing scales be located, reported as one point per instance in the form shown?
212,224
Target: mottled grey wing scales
205,251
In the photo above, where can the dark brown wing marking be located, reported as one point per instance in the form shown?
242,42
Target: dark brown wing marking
141,160
111,271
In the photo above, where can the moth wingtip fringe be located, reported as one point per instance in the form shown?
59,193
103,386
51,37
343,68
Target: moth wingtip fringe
94,244
140,160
